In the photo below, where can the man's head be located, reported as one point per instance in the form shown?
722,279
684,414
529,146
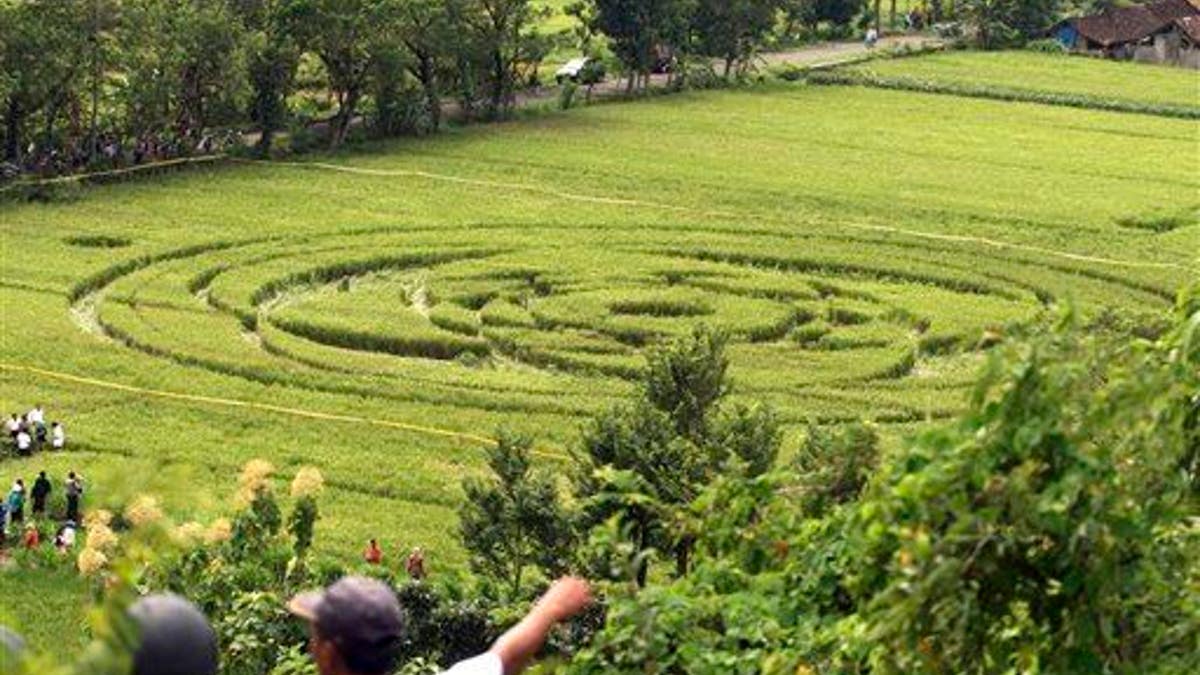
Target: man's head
41,474
175,638
71,475
355,626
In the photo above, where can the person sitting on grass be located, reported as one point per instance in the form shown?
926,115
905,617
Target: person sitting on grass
32,536
41,490
64,540
356,627
58,437
373,554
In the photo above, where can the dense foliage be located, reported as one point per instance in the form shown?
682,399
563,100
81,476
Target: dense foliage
1051,529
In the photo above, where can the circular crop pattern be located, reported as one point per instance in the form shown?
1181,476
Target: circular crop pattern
553,320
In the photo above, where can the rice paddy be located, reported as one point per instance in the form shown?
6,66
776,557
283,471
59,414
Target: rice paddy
380,314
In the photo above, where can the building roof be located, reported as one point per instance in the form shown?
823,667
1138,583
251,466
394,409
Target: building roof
1133,24
1173,9
1190,26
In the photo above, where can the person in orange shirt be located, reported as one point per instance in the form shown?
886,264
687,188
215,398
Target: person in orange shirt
373,554
32,536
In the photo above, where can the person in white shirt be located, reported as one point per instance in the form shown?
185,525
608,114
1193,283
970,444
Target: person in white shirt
24,442
37,415
58,437
356,624
12,425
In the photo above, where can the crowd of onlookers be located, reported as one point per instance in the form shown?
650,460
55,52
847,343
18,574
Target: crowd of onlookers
111,151
24,507
23,529
28,433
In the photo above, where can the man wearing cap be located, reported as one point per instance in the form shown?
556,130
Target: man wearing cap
175,638
356,626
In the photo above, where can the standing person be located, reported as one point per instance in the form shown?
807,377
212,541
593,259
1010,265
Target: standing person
415,565
24,442
37,422
16,502
872,38
41,490
58,437
12,425
356,627
373,554
74,492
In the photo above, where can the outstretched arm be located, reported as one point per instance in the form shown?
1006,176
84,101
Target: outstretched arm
517,647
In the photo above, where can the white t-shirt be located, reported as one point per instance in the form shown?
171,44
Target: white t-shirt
60,437
12,425
484,664
36,416
23,441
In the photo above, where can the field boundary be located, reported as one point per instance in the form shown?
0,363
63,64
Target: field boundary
1008,94
474,439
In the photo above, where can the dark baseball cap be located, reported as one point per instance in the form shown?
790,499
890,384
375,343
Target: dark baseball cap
361,616
176,638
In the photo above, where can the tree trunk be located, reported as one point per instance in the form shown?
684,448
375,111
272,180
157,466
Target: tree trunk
892,15
433,102
498,72
878,23
12,131
93,125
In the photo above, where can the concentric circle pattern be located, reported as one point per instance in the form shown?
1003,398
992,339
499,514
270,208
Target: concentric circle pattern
551,320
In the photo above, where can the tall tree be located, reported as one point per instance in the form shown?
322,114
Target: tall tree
732,30
514,521
501,26
272,55
42,41
347,36
639,31
427,32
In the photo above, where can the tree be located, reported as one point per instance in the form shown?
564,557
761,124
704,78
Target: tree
639,31
687,379
732,30
500,26
643,464
272,57
514,520
347,35
42,41
427,32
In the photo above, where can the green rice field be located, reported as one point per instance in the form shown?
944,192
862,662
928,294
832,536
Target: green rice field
379,315
1051,73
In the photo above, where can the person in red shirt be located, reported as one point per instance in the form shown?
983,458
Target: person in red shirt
32,537
373,554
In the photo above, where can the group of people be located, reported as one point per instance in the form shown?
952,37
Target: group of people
12,511
414,565
111,151
28,432
356,627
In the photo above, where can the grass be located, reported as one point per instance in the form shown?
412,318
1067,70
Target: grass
1049,73
857,243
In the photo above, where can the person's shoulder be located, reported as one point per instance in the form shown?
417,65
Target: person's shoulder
484,664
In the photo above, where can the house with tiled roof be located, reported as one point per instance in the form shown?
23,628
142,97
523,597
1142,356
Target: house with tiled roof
1154,32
